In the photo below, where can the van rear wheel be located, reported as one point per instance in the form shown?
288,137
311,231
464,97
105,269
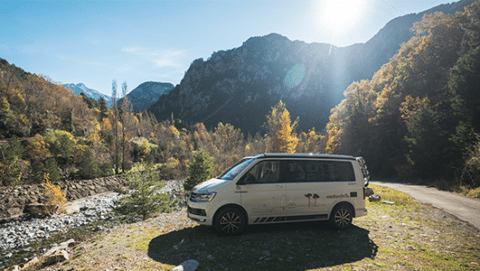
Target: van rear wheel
230,221
341,217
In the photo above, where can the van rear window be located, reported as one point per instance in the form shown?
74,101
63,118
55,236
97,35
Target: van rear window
317,171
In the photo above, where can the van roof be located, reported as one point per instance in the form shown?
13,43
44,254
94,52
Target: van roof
302,155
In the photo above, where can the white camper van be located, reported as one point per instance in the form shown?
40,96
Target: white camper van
279,188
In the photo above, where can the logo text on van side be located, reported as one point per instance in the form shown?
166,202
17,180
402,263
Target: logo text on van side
338,196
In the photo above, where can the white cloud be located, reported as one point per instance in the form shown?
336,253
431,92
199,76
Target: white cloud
162,58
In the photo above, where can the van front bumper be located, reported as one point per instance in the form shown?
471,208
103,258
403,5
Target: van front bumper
198,214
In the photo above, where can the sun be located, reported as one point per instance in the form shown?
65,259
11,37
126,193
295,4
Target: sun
338,16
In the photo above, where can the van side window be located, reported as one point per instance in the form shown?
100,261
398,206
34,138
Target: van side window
263,172
318,171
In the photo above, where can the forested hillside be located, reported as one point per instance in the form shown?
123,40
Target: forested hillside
418,116
45,129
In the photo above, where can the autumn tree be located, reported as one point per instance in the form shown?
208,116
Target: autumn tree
35,148
280,130
228,142
310,142
115,120
127,119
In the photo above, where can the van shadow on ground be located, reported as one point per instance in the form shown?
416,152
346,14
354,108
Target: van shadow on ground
297,246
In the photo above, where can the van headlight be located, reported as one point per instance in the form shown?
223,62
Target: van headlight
202,196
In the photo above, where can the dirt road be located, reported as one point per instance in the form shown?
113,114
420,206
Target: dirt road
465,208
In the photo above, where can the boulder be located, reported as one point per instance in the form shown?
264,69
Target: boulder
24,266
62,246
58,256
40,210
14,211
375,197
368,191
190,265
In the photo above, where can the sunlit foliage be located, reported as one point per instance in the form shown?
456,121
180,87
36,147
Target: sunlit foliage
281,130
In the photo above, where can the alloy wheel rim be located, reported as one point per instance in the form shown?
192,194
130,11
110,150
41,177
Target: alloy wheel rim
230,222
342,218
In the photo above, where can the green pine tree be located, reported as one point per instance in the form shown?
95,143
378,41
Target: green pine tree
51,167
199,170
88,167
144,200
38,169
10,155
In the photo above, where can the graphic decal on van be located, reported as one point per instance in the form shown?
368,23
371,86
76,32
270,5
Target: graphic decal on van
314,196
308,196
338,196
290,218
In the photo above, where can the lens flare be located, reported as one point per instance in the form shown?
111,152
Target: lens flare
295,75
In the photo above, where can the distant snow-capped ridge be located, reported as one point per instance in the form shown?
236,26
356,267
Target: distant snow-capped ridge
90,93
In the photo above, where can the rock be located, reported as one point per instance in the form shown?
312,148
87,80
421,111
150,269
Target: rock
13,268
24,266
58,256
189,265
375,197
62,246
40,210
368,191
14,211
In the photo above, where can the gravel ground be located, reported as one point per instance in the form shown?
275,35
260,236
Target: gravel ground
404,236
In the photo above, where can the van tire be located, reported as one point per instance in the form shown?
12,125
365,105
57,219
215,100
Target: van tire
341,217
230,221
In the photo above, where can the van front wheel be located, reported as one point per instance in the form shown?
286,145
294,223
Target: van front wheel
341,217
230,221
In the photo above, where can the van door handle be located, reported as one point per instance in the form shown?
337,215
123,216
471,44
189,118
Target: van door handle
278,186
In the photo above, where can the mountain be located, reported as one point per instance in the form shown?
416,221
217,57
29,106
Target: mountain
91,93
239,86
143,96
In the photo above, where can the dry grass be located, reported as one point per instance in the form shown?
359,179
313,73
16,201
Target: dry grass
404,236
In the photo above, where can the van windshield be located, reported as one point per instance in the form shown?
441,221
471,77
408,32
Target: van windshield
231,173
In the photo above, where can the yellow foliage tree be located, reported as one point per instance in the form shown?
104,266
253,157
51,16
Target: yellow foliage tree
309,142
280,130
35,148
56,197
173,132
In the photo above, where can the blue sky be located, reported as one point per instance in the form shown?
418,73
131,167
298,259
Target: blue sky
95,42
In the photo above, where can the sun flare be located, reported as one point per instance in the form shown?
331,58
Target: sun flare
340,15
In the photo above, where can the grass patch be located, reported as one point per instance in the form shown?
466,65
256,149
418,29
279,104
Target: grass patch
466,190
